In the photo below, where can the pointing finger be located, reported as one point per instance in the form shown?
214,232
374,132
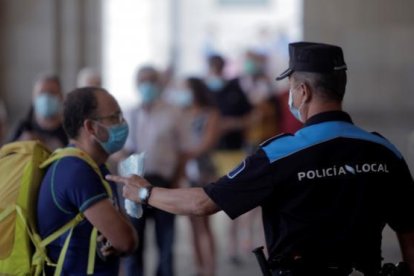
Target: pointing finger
117,178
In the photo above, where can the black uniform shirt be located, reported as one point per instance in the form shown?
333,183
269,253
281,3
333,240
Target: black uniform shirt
326,192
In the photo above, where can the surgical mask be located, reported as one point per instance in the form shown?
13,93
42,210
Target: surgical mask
250,67
46,105
215,84
183,98
148,92
117,138
295,111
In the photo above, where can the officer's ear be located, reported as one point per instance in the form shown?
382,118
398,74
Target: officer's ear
306,92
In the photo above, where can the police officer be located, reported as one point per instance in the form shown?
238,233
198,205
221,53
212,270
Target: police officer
326,191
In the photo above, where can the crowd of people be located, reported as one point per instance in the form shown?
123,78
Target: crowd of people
192,130
195,129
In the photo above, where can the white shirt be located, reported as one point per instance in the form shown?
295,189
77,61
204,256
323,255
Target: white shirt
158,133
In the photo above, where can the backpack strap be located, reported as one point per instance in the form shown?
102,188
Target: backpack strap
75,152
40,256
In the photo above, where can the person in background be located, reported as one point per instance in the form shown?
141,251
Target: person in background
256,84
156,130
326,191
89,77
202,119
234,108
260,124
231,102
44,119
93,120
215,79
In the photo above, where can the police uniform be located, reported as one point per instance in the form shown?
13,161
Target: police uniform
326,193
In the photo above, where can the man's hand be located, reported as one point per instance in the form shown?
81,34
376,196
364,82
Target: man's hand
105,249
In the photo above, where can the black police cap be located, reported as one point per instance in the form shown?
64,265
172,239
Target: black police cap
314,57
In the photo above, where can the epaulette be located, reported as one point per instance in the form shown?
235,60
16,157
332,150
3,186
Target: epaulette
268,141
376,133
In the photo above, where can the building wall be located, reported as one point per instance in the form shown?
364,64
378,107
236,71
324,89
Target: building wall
53,36
376,36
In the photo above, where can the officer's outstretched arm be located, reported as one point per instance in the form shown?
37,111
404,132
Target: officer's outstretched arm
184,201
407,248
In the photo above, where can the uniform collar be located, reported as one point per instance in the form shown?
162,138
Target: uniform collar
329,116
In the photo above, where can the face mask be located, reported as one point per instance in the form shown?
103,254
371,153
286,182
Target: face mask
215,84
183,98
250,67
148,92
295,111
117,138
46,105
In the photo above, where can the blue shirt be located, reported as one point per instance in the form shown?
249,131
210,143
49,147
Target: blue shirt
71,186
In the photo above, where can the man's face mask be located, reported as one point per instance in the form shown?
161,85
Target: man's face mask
251,67
183,98
117,136
148,92
47,105
215,84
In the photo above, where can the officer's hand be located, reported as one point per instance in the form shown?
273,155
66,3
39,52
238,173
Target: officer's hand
131,185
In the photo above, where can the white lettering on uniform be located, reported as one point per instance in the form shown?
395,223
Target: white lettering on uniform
343,170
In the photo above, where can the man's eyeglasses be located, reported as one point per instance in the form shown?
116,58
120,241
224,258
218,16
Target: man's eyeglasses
116,118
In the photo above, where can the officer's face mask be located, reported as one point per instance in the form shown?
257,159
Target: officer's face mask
295,111
47,105
148,92
117,136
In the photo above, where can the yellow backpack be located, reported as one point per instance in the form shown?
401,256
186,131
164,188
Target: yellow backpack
22,167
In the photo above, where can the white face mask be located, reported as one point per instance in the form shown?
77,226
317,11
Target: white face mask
295,111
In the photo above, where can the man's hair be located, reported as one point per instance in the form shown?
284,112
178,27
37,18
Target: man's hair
329,86
44,77
148,69
80,104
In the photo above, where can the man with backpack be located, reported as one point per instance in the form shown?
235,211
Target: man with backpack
74,186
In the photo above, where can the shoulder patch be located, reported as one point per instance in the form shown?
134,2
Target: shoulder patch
238,169
268,141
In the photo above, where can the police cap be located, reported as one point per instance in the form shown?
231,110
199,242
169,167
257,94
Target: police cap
314,57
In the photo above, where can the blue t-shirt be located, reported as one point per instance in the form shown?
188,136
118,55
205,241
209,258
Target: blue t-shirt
71,186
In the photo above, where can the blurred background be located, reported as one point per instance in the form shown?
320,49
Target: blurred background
117,37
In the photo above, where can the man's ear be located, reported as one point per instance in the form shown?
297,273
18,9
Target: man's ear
89,126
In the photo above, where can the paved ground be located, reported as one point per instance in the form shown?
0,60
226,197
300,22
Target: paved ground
184,259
